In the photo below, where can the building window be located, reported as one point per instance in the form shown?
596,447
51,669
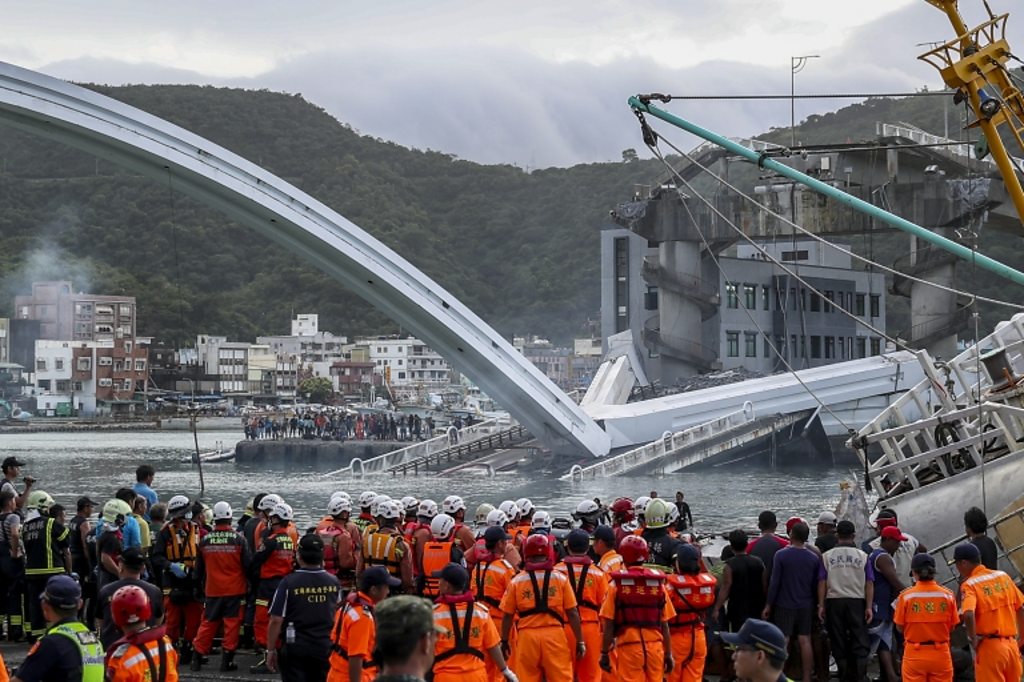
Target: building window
830,347
876,345
731,297
44,384
62,386
58,364
750,343
77,386
794,255
815,347
830,298
792,298
40,365
861,347
767,346
84,364
803,298
815,303
750,296
732,343
859,304
129,385
875,305
793,348
140,365
401,375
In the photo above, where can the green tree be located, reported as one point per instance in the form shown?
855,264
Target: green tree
316,389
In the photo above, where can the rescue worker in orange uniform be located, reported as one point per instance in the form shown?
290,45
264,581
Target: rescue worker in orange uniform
143,654
590,586
273,560
469,636
692,591
638,611
455,507
420,534
221,568
543,600
490,576
608,560
174,557
353,634
926,614
439,552
992,609
495,518
385,546
339,536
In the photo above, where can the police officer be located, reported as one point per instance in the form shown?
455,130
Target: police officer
759,651
68,650
143,652
47,553
302,610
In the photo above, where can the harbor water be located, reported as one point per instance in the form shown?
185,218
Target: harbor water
67,465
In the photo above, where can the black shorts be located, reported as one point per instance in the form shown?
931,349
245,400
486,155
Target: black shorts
793,621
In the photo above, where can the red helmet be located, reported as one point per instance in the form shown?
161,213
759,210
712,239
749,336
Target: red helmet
537,547
634,550
130,605
622,510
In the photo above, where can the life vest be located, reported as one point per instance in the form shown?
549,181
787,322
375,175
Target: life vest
150,646
329,533
436,555
461,634
88,646
363,521
487,562
353,599
409,530
579,583
384,549
282,559
540,596
691,595
182,550
639,598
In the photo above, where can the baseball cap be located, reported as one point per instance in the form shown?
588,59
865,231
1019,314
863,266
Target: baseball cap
767,519
311,542
400,620
892,533
966,550
454,574
686,552
63,592
761,635
846,528
84,501
12,462
495,534
827,518
793,520
577,540
377,575
605,534
922,560
133,558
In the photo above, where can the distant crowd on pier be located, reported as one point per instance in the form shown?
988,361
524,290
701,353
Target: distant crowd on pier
343,425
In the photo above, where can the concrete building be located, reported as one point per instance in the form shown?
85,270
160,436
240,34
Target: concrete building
89,377
306,324
67,316
408,362
354,377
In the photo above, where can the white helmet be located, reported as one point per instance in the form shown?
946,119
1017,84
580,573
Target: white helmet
410,503
339,506
587,508
640,505
376,503
481,513
452,504
441,526
339,495
497,518
510,508
541,519
525,506
389,509
270,501
366,498
282,511
673,513
178,506
207,514
222,511
428,509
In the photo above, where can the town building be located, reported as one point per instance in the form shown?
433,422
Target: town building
408,362
67,316
89,378
353,378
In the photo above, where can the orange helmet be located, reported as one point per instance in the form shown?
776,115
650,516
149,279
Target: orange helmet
130,605
536,547
634,550
622,510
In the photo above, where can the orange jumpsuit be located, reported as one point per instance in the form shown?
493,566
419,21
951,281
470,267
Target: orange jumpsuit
640,652
460,652
127,662
692,596
590,585
995,601
489,580
542,651
353,634
221,568
610,562
926,613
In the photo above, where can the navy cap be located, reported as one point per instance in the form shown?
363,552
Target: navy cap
133,558
63,592
605,534
12,462
578,540
761,635
846,529
375,576
495,534
922,560
966,550
311,543
454,574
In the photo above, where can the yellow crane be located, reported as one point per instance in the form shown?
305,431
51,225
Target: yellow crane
974,65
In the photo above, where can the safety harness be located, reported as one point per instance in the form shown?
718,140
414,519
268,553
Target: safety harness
462,645
353,599
540,597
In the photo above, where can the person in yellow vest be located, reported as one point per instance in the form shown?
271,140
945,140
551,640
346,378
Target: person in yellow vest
143,654
926,615
174,557
693,594
386,547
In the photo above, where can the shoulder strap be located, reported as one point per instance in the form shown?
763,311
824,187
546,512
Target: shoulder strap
577,587
462,645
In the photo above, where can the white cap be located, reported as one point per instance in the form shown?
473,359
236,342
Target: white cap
827,518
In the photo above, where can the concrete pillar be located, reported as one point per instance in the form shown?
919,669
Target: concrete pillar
933,308
679,317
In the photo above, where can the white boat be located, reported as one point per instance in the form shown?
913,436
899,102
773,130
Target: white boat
220,454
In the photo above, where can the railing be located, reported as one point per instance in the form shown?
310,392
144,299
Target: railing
926,332
685,350
666,446
691,286
1011,559
461,452
382,463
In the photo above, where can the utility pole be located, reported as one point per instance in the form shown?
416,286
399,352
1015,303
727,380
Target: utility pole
796,65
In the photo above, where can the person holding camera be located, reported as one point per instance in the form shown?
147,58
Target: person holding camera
12,469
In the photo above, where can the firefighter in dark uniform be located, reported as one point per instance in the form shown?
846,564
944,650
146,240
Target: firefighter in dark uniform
301,616
47,553
273,560
174,557
68,650
662,545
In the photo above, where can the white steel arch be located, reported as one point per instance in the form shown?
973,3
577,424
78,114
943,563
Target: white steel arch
98,124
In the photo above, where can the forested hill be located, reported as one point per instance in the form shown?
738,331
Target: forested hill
519,248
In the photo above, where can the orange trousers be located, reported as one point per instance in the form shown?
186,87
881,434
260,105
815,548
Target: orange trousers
927,663
613,676
641,662
690,651
183,620
588,668
208,630
998,660
339,670
543,654
478,675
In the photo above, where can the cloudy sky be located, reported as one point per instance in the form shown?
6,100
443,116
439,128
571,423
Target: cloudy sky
532,83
